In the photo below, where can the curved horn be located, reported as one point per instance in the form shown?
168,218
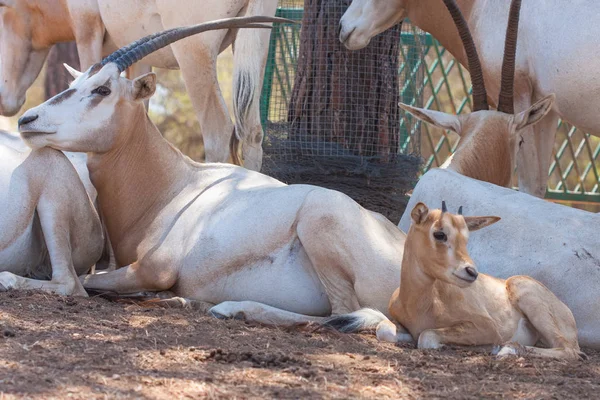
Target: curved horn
506,100
479,92
128,55
460,210
444,208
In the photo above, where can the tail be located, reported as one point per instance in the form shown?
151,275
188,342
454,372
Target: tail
361,320
251,49
234,149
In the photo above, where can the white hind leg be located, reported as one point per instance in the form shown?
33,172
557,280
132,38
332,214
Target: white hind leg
549,316
387,331
257,312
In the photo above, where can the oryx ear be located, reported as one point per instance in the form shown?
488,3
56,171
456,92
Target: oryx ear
143,87
72,71
7,3
534,113
437,118
476,223
419,213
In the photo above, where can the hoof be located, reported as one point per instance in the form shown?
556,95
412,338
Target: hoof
583,356
217,315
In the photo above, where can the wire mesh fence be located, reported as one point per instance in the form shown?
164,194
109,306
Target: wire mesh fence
331,116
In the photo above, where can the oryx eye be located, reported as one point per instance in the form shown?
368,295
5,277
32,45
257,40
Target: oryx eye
440,236
101,90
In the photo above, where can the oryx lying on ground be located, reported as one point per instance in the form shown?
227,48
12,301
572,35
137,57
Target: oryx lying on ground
30,27
442,299
49,228
212,232
553,57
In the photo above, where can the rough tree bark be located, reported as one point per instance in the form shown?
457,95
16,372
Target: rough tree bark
347,97
57,77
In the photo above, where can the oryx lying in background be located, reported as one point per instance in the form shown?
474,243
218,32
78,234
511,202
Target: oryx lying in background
442,299
202,231
553,57
30,27
49,228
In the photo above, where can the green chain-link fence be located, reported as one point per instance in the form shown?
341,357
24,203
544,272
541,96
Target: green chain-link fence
432,78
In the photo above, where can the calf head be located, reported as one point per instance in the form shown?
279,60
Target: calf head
365,19
439,240
21,56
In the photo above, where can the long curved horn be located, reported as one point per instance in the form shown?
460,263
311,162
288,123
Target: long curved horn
506,100
479,92
134,52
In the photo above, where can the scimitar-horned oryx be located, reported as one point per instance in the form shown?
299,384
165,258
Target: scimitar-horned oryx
215,233
443,299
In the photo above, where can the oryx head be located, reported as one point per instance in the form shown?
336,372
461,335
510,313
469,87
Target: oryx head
365,19
439,242
21,56
100,104
490,137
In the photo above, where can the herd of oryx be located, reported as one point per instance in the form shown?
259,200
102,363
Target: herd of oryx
92,178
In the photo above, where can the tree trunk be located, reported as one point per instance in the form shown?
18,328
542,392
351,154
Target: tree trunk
57,77
342,96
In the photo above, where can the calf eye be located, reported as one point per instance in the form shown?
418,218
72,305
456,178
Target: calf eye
101,90
440,236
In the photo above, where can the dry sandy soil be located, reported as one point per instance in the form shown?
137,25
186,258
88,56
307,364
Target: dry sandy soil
54,347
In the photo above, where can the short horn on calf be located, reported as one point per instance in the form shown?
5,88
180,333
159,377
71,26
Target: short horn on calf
444,208
460,210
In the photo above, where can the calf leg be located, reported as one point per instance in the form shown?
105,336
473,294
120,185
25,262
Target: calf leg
479,331
549,316
260,313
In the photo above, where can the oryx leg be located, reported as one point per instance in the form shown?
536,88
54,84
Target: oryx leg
89,31
535,155
552,319
132,279
387,331
471,333
197,60
55,223
260,313
355,253
250,51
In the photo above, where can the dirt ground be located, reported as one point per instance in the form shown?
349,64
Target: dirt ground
54,347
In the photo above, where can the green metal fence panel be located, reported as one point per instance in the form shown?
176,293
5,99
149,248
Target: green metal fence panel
433,78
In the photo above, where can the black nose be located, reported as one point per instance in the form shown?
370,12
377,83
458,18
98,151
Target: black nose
472,272
24,120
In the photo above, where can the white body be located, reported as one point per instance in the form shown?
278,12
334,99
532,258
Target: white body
49,226
554,55
97,25
553,244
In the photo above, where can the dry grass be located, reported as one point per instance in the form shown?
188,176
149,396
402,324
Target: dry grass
53,347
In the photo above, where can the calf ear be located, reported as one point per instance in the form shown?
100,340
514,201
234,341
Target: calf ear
439,119
419,213
143,87
476,223
534,113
